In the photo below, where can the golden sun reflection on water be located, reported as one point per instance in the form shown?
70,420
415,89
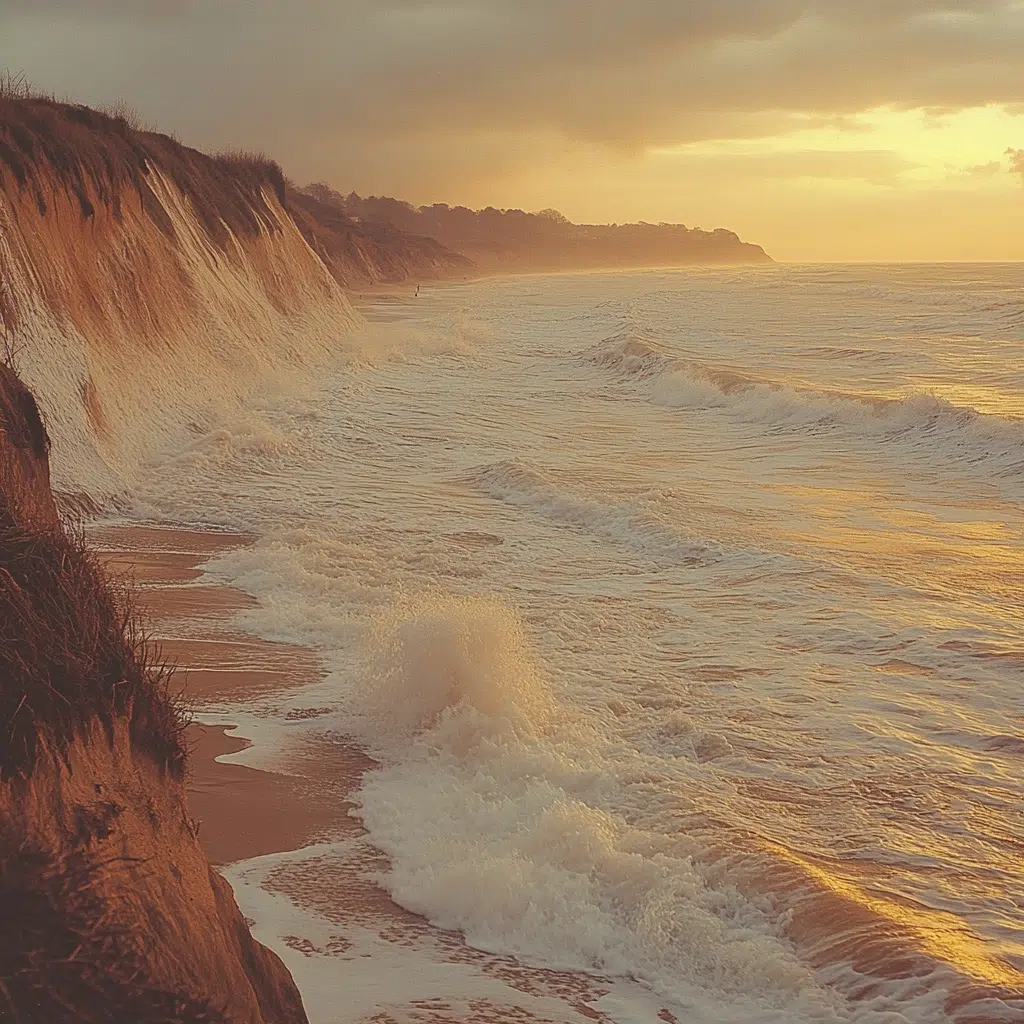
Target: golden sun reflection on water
935,933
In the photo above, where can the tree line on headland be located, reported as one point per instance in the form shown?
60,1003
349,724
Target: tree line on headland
515,240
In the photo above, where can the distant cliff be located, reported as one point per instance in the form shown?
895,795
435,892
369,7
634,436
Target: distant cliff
513,240
371,252
111,912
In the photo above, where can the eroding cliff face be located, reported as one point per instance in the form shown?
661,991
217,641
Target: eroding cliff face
145,286
109,832
111,911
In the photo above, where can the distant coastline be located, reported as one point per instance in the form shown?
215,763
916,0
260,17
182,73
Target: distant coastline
514,241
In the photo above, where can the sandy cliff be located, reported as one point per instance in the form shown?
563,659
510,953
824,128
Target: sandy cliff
111,910
145,286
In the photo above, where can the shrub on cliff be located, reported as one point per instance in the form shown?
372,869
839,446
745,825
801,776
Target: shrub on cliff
70,650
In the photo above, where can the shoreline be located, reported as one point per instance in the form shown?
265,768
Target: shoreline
250,817
244,812
404,290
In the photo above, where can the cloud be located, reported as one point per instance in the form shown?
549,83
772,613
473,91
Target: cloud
1016,162
987,170
877,167
434,90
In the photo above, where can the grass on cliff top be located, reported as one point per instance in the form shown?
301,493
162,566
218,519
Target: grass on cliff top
98,156
71,650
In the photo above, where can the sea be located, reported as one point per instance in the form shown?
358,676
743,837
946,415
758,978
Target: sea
682,613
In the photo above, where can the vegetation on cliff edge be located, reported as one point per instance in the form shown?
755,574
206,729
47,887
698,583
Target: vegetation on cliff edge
98,157
71,650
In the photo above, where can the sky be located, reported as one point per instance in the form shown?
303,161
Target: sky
824,130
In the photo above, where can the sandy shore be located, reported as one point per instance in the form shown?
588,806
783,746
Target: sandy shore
247,813
243,812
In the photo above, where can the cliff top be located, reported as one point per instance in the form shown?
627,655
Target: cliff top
47,144
96,154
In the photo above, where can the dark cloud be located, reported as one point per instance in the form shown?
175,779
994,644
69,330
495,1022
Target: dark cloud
431,90
1016,162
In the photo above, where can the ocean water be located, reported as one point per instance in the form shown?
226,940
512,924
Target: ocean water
684,613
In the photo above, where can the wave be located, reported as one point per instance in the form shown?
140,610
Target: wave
626,526
631,354
534,830
917,422
489,806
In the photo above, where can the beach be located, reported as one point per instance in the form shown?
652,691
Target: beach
248,814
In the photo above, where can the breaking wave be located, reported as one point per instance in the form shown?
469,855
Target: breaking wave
918,423
535,830
497,809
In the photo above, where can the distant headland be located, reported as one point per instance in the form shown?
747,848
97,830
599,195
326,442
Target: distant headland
512,240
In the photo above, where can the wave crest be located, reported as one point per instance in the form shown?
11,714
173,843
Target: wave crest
632,527
920,420
629,353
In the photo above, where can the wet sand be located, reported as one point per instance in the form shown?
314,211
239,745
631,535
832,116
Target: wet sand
243,812
246,813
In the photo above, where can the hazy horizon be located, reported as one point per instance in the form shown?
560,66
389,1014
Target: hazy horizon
844,132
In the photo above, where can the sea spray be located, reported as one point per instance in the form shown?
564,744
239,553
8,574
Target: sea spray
494,807
137,327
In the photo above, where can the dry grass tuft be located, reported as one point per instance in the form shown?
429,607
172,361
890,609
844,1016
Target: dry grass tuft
62,958
71,651
14,85
255,164
101,156
121,111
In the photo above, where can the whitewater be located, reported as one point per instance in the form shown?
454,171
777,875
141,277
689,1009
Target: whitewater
683,613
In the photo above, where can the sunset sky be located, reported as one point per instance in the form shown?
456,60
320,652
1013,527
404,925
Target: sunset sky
836,130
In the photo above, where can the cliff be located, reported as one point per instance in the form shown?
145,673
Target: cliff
111,911
146,287
373,251
511,240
